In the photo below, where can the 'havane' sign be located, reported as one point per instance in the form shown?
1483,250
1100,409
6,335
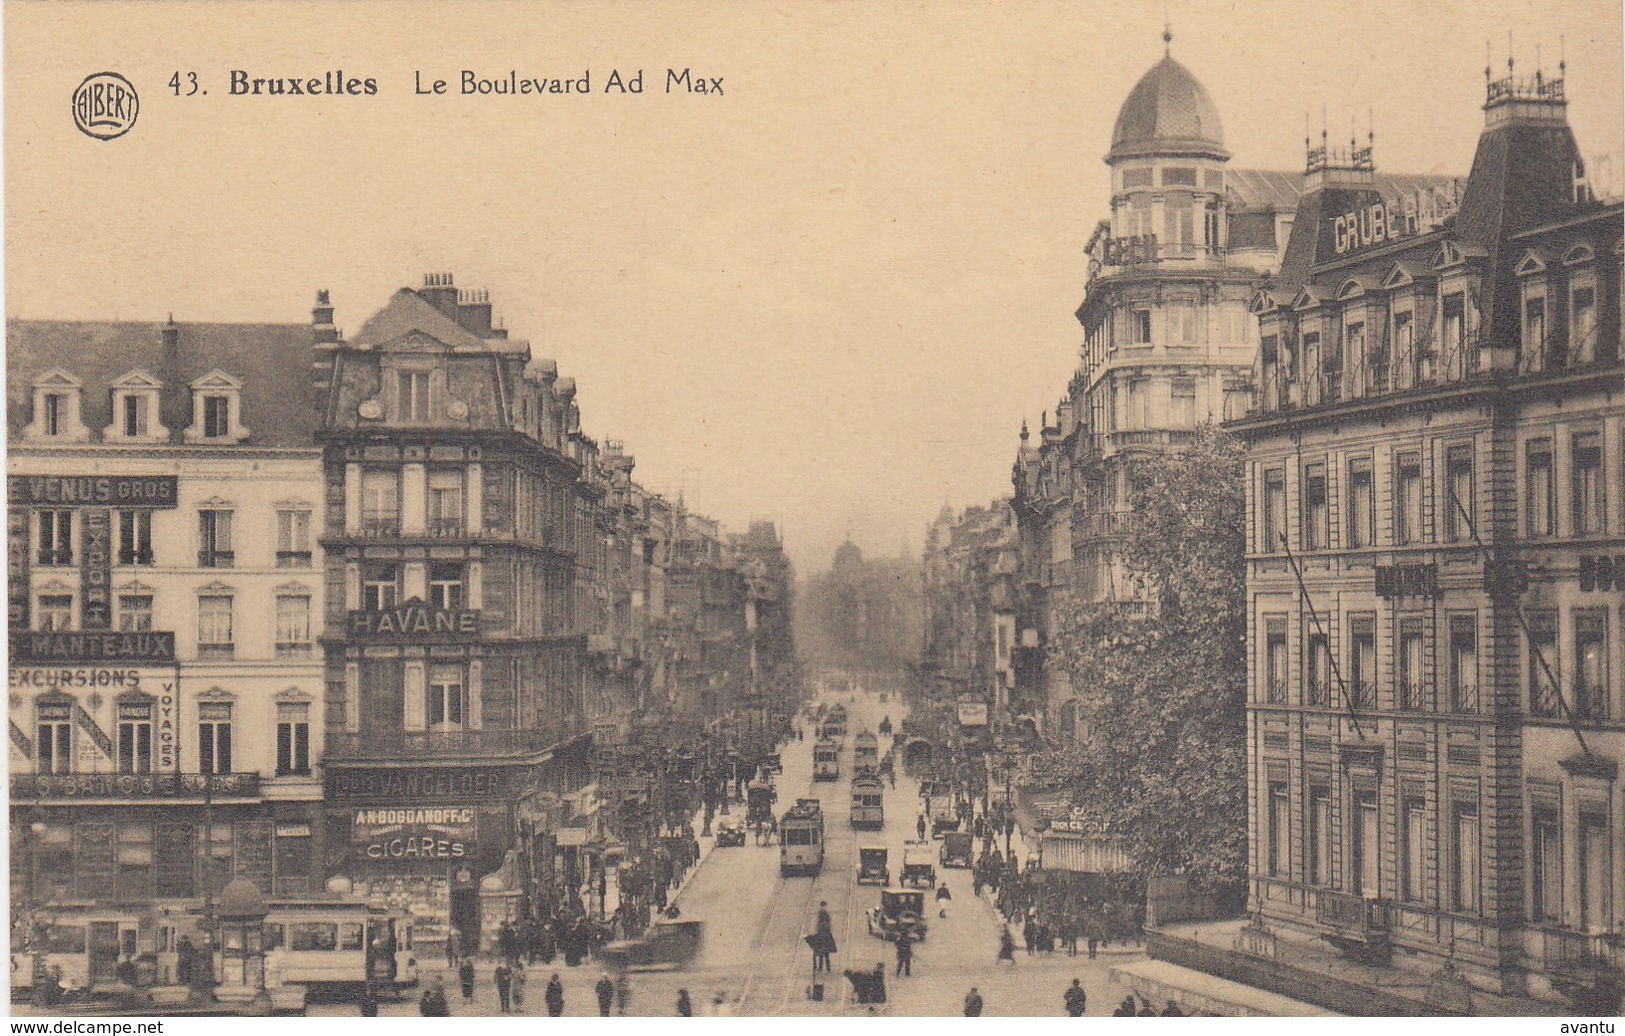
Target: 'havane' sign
413,620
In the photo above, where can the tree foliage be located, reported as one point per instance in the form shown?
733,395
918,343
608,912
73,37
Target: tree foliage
1163,692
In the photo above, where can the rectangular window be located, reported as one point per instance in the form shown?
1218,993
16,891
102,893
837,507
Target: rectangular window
1280,832
446,698
1543,664
55,612
55,538
1274,510
1320,836
1582,324
293,626
1318,689
1362,504
381,502
1408,499
214,540
1546,867
135,737
134,412
214,634
1354,347
1185,314
1182,405
1366,845
214,736
1534,331
413,387
1412,693
1464,663
55,730
1540,488
1460,516
1414,849
293,538
134,613
216,417
1275,662
1455,324
1591,665
1316,530
1596,870
446,585
1404,339
446,503
135,537
292,739
1464,856
1140,327
1363,660
1586,480
380,586
56,413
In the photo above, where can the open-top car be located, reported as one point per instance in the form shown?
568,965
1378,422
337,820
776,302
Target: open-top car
899,910
943,818
919,868
666,945
730,833
872,869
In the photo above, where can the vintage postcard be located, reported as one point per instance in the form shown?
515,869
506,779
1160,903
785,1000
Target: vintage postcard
814,508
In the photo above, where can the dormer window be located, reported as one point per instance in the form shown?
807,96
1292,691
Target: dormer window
1582,319
56,408
135,409
412,395
217,414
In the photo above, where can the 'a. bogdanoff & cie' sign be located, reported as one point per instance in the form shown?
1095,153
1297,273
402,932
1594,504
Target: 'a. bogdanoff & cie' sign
413,833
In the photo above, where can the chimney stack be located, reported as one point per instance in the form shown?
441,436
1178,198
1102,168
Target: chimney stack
324,338
474,312
440,291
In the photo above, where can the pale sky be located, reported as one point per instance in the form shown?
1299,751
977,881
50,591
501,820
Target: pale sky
827,297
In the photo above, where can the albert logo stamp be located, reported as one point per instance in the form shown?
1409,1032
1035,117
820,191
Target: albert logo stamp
105,106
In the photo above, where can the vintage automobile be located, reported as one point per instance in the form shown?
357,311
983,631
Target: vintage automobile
899,910
760,796
667,945
872,869
730,833
918,869
943,818
957,849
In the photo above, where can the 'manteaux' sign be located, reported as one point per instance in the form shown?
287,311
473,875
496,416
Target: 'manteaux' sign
413,620
34,647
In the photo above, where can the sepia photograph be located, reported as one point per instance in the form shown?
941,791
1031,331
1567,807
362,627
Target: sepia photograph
815,508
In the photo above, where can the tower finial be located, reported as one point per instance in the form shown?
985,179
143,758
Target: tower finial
1167,30
1562,56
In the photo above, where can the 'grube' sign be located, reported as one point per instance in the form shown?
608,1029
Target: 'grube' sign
1385,221
413,620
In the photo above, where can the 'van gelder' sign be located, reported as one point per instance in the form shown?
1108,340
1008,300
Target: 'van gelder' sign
92,490
413,620
1385,221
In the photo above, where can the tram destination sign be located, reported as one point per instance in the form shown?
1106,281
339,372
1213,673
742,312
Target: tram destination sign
92,490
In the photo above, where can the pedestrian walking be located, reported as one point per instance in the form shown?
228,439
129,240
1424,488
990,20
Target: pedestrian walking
518,995
905,953
823,939
1146,1010
1075,999
432,1004
465,978
1125,1009
1094,942
944,897
685,1007
623,993
1172,1011
973,1004
1029,934
919,826
606,995
1007,947
554,996
502,975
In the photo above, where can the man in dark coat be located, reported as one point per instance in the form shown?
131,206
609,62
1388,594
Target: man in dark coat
905,952
1172,1011
1076,1000
504,982
432,1004
1125,1009
973,1004
685,1007
465,977
554,996
606,994
824,939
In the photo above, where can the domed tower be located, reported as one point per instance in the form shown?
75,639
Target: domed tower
1167,161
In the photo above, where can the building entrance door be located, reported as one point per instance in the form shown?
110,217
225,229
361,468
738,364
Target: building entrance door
104,951
465,917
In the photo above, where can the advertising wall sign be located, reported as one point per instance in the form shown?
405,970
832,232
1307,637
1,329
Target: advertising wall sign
93,490
415,834
973,713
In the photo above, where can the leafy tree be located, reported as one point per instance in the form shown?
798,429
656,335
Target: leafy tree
1163,690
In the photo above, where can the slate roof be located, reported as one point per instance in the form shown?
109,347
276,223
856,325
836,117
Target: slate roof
272,361
1168,111
407,311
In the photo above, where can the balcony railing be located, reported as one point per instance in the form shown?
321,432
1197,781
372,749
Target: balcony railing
1107,524
430,743
56,787
1356,917
447,528
1579,957
380,527
293,559
216,558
